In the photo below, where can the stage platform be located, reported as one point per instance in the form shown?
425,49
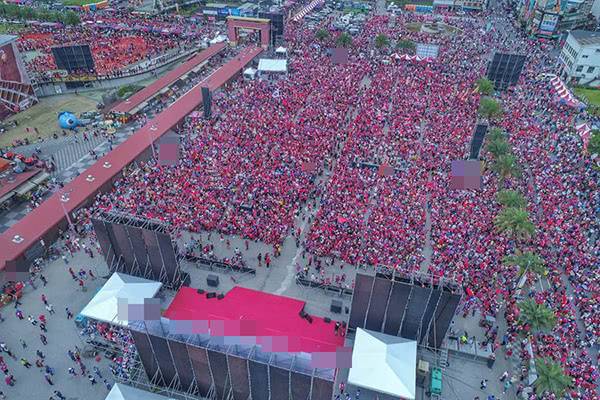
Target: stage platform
246,313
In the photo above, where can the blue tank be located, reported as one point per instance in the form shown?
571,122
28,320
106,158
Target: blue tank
67,120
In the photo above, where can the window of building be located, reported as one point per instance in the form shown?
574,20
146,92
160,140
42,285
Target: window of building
579,69
591,69
584,56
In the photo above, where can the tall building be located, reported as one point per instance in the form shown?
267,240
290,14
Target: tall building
549,18
580,57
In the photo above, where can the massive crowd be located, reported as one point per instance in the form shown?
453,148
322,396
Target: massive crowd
355,160
366,147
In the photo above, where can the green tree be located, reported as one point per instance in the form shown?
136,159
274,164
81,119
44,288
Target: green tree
498,147
505,166
594,143
515,222
527,261
322,34
381,41
489,108
511,198
344,40
406,46
495,133
551,378
485,86
538,316
71,18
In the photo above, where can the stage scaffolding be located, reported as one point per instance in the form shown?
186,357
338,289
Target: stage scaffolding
217,369
413,305
140,247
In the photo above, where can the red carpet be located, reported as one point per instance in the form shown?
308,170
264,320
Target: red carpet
272,319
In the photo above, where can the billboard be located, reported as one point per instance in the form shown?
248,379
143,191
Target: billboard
549,23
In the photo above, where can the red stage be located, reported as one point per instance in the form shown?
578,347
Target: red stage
273,320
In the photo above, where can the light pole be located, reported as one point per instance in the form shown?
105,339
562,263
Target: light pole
151,138
64,198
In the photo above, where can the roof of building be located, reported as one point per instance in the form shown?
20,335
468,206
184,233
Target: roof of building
586,38
152,90
5,39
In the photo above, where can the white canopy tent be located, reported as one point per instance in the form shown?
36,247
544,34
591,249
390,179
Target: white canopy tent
281,51
112,302
268,66
250,73
384,363
124,392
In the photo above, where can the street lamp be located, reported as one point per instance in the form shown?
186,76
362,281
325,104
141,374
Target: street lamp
64,198
151,137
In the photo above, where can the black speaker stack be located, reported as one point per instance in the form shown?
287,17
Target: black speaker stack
206,101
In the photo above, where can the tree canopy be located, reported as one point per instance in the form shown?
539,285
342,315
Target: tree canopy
527,261
489,108
344,40
322,34
13,11
515,222
511,198
485,86
551,378
381,41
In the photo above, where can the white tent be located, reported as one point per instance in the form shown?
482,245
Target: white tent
269,65
384,363
124,392
112,302
281,51
249,73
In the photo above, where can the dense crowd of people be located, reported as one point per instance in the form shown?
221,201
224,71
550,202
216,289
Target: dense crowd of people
118,43
362,153
353,161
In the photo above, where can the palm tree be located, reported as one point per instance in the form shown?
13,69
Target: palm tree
485,86
551,378
538,316
498,147
344,40
528,261
511,198
322,34
489,108
515,222
406,46
381,41
495,133
506,166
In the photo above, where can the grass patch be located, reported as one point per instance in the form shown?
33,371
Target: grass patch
413,27
44,116
589,96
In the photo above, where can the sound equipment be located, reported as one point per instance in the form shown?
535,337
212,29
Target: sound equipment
327,320
336,306
74,58
206,101
276,26
200,291
505,69
212,280
221,296
211,295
